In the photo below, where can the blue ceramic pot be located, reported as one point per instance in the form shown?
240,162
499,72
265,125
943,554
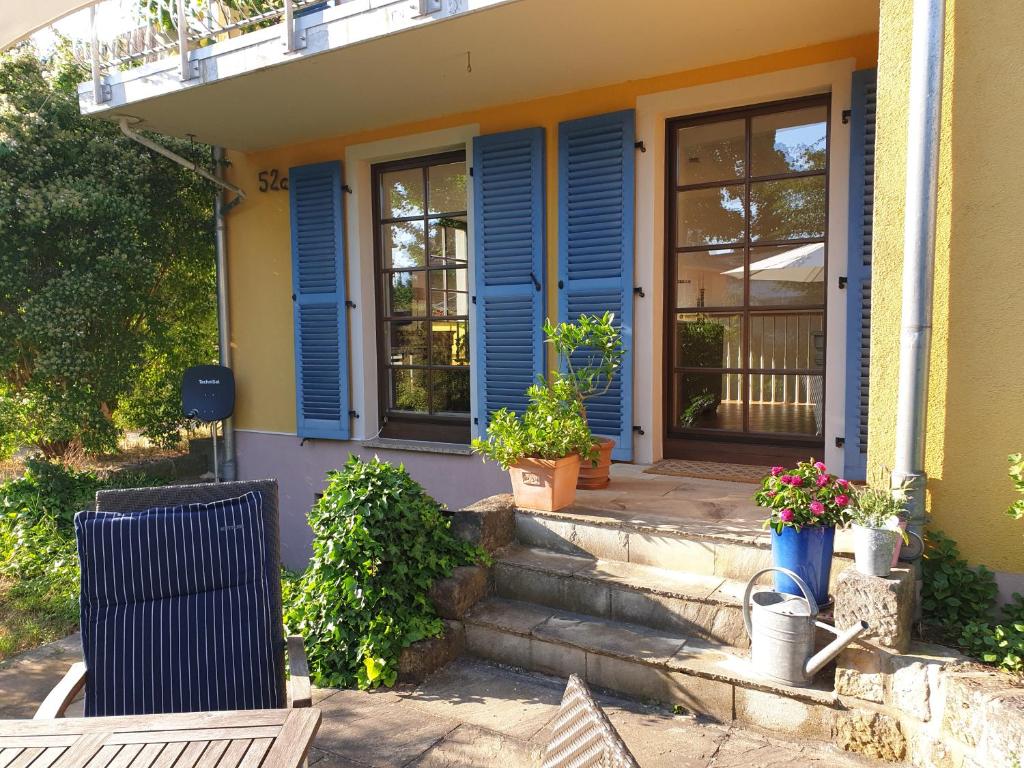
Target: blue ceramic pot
808,553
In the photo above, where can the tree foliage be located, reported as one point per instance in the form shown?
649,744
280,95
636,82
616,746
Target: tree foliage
107,282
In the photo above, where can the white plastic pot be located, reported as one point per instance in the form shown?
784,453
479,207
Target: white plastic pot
873,548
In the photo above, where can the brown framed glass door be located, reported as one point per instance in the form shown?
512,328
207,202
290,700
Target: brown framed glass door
746,275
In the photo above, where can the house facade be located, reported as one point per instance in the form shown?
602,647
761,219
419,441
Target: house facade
426,183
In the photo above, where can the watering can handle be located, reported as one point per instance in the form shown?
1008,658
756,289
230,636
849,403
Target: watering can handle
812,604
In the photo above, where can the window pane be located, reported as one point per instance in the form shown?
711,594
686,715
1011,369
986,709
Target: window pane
709,216
786,403
711,278
449,292
450,391
712,152
787,275
407,342
787,209
447,187
409,389
787,341
708,341
408,293
401,193
449,342
402,245
708,401
448,241
786,142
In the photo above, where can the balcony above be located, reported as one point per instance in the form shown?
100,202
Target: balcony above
281,72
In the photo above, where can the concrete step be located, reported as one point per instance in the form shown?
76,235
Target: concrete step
691,546
669,668
705,607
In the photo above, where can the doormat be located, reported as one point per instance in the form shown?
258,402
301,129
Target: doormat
709,470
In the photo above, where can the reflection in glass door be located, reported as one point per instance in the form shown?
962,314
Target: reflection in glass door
746,273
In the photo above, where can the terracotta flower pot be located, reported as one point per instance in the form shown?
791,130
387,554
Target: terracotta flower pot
594,478
545,484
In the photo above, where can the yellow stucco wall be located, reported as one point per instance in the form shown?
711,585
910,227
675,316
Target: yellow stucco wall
259,260
976,390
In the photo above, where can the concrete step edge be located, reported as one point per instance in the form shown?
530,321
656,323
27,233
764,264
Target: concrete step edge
702,665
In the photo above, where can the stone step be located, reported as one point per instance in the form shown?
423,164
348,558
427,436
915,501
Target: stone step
706,607
670,668
691,546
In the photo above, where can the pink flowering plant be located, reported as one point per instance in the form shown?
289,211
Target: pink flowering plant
807,495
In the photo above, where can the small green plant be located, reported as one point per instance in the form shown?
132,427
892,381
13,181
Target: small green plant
879,505
552,427
953,594
589,350
1016,510
380,544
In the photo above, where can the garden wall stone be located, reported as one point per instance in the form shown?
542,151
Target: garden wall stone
887,605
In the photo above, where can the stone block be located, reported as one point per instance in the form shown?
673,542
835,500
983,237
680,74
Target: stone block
672,552
887,605
489,523
874,734
708,621
910,686
425,657
779,714
859,674
603,542
740,561
967,703
557,659
1004,732
454,596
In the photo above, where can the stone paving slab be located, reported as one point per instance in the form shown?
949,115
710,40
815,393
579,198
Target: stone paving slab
470,714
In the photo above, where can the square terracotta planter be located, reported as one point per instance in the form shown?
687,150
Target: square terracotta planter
545,484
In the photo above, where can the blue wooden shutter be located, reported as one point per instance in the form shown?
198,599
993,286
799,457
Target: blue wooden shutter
595,249
858,286
318,293
508,232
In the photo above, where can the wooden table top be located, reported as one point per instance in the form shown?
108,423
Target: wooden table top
275,738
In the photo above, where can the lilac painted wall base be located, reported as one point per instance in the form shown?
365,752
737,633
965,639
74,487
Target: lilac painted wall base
453,480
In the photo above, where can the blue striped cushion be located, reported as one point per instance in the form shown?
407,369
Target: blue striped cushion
176,609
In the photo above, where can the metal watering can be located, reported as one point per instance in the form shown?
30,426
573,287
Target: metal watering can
781,629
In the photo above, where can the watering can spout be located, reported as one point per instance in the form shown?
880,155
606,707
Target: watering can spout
830,651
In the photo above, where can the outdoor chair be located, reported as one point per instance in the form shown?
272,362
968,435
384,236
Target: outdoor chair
583,736
181,604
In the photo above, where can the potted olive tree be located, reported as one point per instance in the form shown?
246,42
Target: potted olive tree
589,353
543,448
879,519
805,506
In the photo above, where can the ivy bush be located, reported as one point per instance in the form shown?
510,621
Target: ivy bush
960,603
380,544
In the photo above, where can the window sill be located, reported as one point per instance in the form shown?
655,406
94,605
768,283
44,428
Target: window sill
418,446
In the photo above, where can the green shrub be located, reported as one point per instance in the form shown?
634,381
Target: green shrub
960,602
380,544
552,427
1016,510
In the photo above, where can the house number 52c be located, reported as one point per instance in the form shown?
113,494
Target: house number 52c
272,181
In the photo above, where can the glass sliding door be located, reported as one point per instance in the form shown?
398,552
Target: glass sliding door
747,204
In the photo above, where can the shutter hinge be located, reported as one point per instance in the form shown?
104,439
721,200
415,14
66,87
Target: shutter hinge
350,304
561,284
536,282
293,297
638,429
640,145
476,420
840,442
639,291
474,299
346,188
354,414
846,116
842,281
471,170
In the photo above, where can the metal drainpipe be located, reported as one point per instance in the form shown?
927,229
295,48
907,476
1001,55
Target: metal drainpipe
923,128
223,314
